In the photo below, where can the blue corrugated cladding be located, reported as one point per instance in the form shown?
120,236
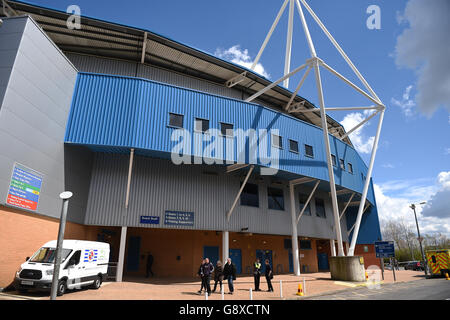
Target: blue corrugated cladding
122,112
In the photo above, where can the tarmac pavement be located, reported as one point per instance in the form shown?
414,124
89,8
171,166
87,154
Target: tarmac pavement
186,289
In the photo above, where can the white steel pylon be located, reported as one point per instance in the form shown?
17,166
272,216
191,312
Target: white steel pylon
315,63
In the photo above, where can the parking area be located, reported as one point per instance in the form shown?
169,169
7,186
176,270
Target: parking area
186,289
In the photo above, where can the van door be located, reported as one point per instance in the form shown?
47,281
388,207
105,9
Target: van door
89,265
74,270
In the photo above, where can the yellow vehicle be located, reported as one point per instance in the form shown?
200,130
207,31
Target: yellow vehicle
438,261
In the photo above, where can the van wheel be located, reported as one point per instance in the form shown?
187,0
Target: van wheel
97,283
61,288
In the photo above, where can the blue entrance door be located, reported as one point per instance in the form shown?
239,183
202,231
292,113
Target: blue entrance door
212,253
134,247
236,258
291,262
323,261
262,255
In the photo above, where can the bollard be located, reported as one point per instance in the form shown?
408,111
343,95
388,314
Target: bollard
446,276
251,294
281,288
300,290
304,286
222,293
206,295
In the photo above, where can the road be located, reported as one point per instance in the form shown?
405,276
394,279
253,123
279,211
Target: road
426,289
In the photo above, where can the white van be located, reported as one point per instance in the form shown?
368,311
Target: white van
83,263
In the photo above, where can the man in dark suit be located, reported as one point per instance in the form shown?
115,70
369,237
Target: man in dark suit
229,273
149,265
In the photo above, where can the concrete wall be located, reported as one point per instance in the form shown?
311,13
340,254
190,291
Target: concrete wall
34,108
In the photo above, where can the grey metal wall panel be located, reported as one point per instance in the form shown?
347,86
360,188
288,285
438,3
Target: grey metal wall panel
158,185
101,65
118,67
77,176
10,37
34,113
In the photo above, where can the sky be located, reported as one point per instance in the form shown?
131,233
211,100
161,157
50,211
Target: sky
404,59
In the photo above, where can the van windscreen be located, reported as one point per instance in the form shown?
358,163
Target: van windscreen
47,255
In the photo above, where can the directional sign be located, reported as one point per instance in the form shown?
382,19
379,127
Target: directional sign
384,249
24,188
149,220
179,218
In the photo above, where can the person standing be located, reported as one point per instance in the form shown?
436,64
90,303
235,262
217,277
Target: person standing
257,274
200,273
269,276
207,270
218,275
149,264
229,273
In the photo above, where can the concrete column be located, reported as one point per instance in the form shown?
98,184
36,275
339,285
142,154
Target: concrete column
120,263
333,248
295,253
225,246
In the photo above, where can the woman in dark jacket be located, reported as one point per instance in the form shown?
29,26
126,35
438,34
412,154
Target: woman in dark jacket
269,276
218,275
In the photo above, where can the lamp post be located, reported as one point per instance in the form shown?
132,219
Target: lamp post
65,196
413,207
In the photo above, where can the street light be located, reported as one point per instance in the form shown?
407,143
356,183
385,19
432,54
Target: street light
413,206
64,196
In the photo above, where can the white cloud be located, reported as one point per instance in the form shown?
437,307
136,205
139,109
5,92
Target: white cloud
241,57
439,204
447,151
362,143
424,47
394,198
406,104
388,166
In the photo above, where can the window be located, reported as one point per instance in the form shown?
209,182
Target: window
333,160
309,151
305,244
277,142
75,259
293,146
342,164
303,198
275,198
175,120
226,129
288,243
48,255
201,125
320,208
250,195
350,168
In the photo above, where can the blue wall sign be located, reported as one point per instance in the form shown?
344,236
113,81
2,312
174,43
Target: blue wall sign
384,249
149,220
179,218
25,188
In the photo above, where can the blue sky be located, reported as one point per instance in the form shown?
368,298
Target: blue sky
415,146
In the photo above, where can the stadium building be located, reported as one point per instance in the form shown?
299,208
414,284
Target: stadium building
96,111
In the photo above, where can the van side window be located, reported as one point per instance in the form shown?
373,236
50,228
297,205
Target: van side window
75,259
